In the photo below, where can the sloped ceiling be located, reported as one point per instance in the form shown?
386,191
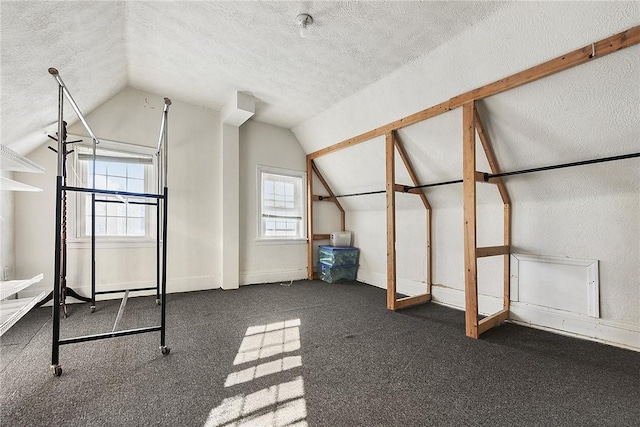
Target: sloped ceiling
201,51
590,111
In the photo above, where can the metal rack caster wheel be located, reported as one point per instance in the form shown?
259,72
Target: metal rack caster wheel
157,301
93,308
165,350
56,370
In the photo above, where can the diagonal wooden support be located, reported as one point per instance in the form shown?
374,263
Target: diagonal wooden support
311,169
506,200
414,179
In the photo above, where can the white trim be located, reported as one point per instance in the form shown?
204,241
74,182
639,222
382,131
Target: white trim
81,240
272,276
292,241
562,322
592,285
302,175
403,286
183,284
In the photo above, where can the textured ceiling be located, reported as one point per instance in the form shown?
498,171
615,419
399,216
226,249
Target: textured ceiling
200,52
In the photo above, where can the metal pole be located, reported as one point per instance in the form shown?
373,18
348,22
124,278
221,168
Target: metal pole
56,76
165,137
93,231
55,341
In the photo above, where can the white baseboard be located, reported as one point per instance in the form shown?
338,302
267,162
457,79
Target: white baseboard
185,284
403,286
558,321
271,276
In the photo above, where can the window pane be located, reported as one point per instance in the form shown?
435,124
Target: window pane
135,185
116,183
116,209
101,167
135,171
101,182
116,219
117,169
135,211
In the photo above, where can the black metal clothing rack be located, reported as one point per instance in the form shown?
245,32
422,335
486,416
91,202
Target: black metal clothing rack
159,200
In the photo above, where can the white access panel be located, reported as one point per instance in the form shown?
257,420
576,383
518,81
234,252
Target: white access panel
568,284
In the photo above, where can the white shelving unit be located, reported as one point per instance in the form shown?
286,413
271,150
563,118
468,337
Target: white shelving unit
11,310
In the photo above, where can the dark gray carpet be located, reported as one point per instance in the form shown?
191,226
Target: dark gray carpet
355,363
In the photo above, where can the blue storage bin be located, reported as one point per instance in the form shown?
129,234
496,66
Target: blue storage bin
340,273
338,256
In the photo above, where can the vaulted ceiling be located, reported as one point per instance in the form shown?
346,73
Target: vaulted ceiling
202,51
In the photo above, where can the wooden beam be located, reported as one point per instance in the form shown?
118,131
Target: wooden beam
383,130
603,47
321,236
411,301
310,274
400,189
493,320
469,188
492,251
391,222
333,196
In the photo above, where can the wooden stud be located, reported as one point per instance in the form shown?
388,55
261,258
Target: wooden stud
414,179
469,188
506,200
506,287
492,251
604,47
391,222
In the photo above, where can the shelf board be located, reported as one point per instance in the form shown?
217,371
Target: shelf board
12,310
7,184
10,287
12,161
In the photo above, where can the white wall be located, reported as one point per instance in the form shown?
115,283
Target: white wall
193,224
263,144
587,112
7,244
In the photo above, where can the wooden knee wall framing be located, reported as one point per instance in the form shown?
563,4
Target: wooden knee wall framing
471,125
393,143
311,198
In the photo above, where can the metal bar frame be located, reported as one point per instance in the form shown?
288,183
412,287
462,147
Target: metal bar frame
61,188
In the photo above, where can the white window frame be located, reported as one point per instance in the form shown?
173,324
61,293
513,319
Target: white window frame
77,170
301,197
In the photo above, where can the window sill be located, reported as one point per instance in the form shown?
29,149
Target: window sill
113,243
296,241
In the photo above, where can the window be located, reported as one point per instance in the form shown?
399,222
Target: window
281,204
121,167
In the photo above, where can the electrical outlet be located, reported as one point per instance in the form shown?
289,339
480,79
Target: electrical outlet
6,273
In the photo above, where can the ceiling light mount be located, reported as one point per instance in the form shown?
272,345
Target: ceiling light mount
304,20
